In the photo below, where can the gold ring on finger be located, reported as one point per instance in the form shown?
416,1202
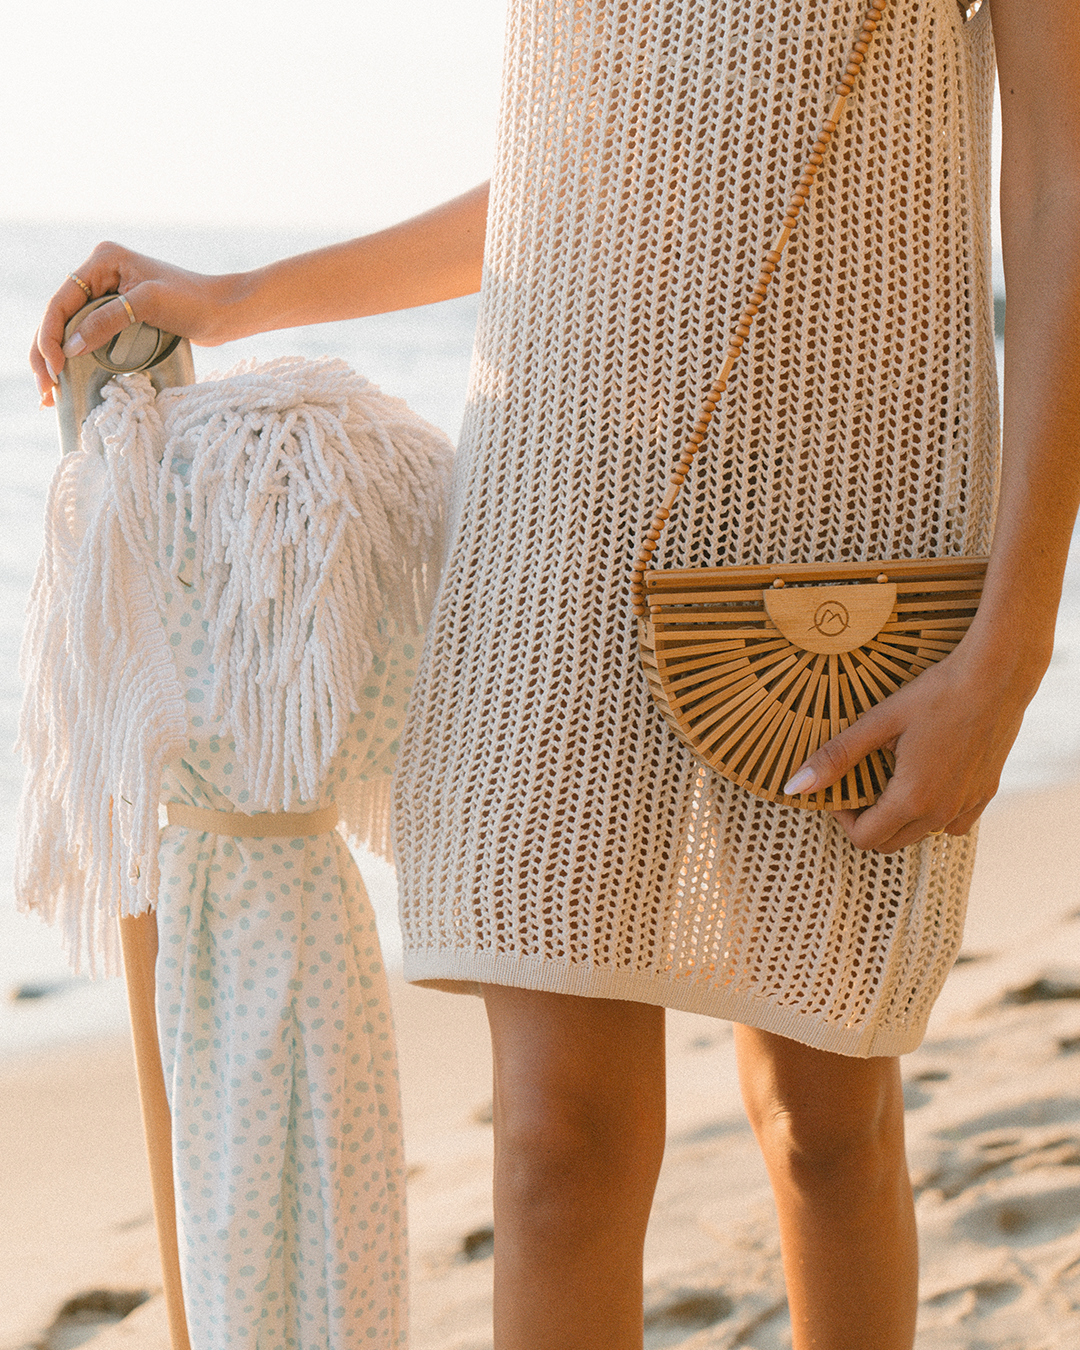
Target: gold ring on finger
72,276
130,312
932,834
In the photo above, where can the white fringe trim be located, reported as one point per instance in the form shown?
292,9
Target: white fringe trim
315,509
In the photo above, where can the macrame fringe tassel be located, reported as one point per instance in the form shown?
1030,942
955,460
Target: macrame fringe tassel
310,511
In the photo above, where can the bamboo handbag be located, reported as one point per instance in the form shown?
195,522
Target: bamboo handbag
756,667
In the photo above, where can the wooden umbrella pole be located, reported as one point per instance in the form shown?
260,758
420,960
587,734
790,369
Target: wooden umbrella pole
139,939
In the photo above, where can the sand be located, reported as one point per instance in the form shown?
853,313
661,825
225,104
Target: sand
75,1208
993,1133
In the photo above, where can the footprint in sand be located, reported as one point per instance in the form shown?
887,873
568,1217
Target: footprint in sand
1023,1211
1049,988
82,1317
1022,1115
973,1300
915,1095
682,1314
478,1245
23,993
997,1155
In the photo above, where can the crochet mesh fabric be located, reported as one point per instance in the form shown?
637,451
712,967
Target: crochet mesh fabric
551,831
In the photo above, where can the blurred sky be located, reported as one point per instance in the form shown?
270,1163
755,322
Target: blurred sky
330,113
340,115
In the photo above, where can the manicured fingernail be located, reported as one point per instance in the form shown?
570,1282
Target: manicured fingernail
803,781
52,373
74,345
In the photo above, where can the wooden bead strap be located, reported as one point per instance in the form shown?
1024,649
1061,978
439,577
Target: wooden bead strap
754,302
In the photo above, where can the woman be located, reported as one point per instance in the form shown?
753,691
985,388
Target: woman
557,848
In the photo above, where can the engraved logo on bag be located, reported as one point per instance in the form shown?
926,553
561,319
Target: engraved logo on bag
831,619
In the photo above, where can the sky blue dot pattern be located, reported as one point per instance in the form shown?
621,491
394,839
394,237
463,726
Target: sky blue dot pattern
279,1056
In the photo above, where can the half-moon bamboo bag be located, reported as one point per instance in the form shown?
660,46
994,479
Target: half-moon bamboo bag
756,667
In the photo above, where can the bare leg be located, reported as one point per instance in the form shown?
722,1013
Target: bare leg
832,1132
579,1136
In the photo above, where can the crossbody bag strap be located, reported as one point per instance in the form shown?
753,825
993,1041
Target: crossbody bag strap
754,302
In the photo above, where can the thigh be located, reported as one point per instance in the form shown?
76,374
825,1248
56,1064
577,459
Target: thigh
554,1052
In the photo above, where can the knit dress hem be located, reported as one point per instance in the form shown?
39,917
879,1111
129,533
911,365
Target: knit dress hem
464,972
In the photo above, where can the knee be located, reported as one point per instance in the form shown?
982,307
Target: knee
559,1153
823,1143
845,1125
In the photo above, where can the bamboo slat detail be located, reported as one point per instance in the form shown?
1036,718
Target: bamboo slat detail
754,702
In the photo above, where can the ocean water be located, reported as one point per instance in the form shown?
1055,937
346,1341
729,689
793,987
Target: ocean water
421,355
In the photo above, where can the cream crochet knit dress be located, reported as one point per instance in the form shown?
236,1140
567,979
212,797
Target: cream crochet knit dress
551,832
